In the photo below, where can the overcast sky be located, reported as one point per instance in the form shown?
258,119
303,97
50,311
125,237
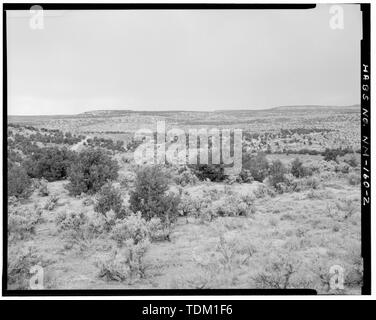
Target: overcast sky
182,60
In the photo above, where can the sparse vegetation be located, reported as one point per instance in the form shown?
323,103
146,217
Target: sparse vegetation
291,213
279,273
21,260
51,203
298,170
21,224
125,263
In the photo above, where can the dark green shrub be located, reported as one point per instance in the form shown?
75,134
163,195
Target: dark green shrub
109,198
257,165
213,172
19,183
332,154
150,195
298,170
51,163
93,169
277,171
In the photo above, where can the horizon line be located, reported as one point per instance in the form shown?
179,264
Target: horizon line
184,110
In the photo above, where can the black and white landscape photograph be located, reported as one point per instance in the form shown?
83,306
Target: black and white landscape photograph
184,149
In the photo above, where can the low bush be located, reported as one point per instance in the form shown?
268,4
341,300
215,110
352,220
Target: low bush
127,179
88,201
279,273
125,263
263,191
20,261
133,144
316,194
233,206
333,154
19,183
193,206
351,160
347,207
184,177
73,227
342,168
106,144
298,170
354,265
212,204
277,171
220,267
311,183
330,155
281,187
256,166
246,176
99,224
292,184
43,188
22,223
353,179
109,198
158,231
212,172
233,252
51,203
72,221
133,227
342,209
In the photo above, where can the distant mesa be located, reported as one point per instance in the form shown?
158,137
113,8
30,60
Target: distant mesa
103,113
117,112
313,107
246,111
